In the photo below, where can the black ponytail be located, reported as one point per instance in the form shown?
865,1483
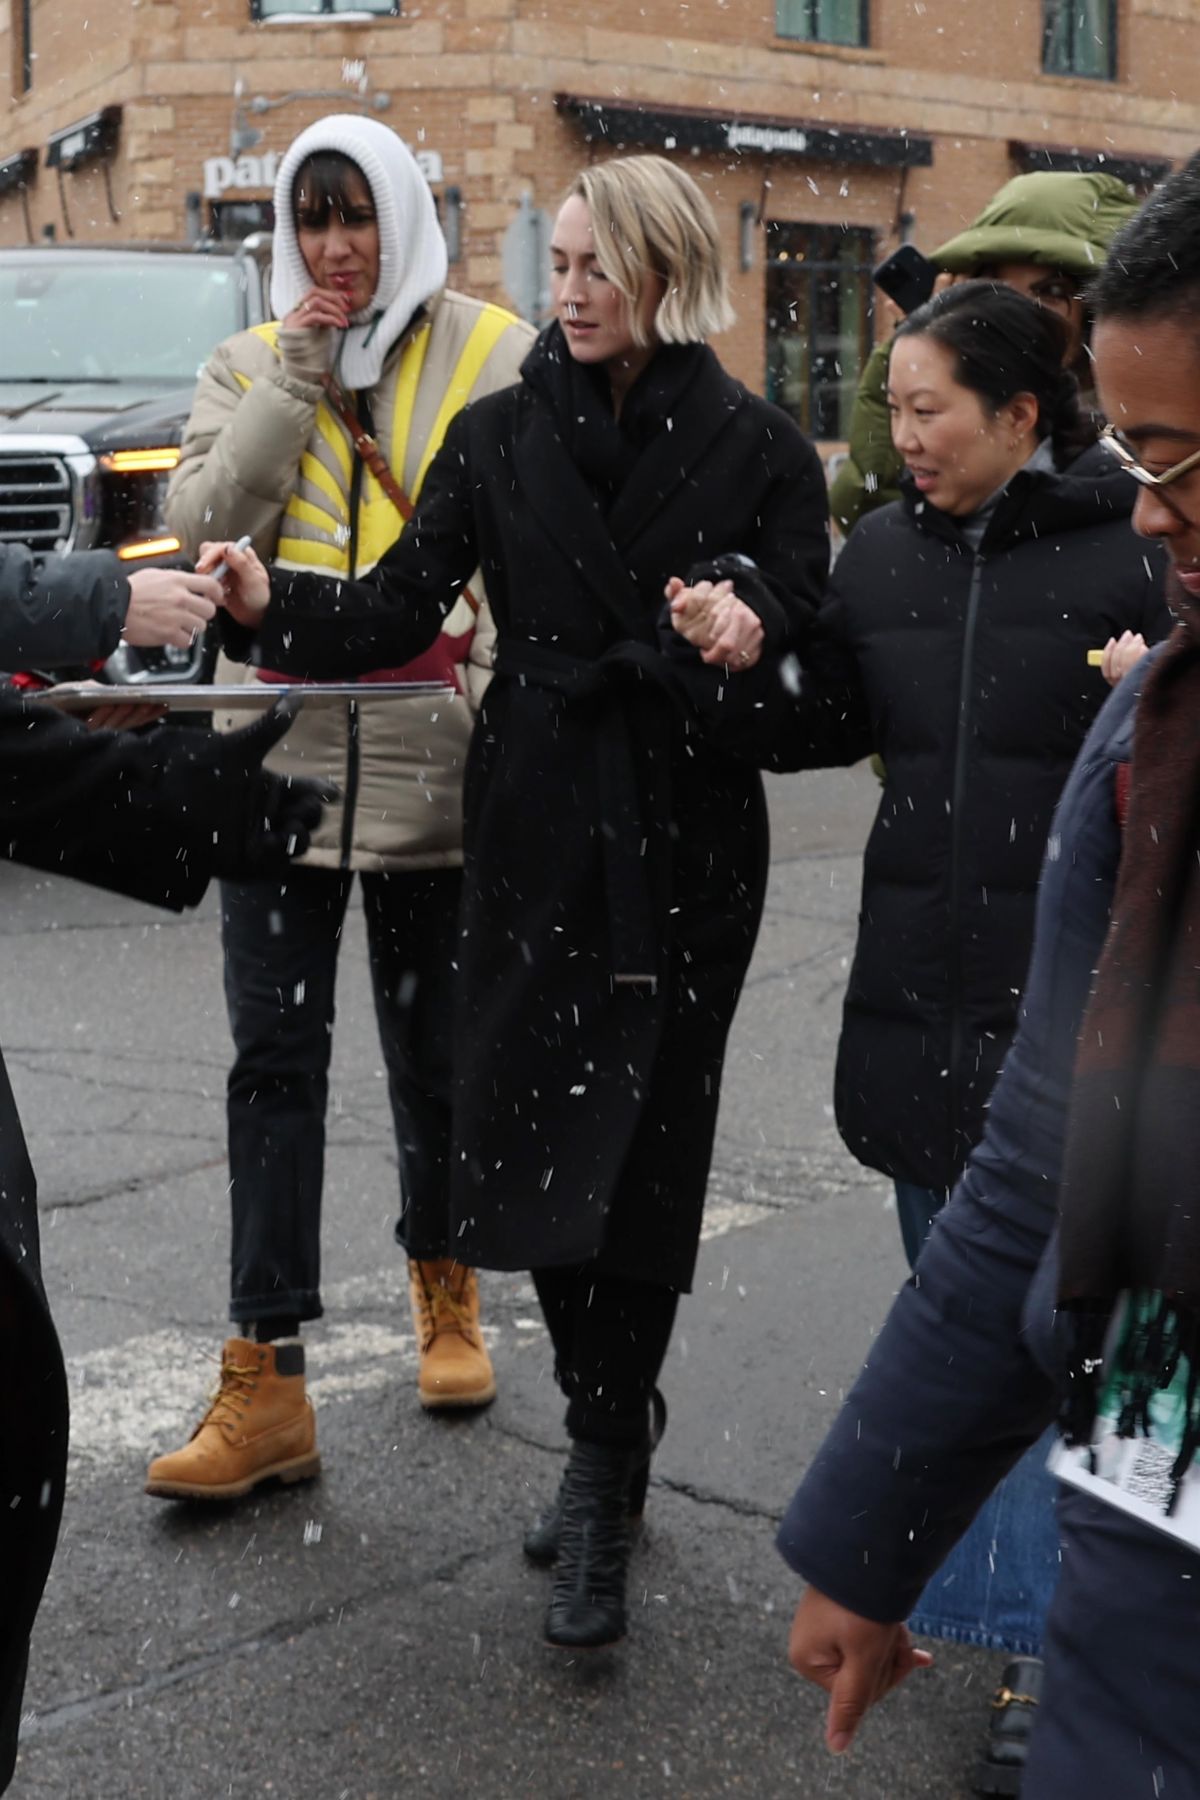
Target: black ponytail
1003,345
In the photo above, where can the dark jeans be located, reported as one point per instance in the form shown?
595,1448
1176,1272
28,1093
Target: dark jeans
917,1208
281,947
610,1335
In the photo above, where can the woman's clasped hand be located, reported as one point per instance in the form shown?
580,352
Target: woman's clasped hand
712,618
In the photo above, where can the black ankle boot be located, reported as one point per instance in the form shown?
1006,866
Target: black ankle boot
541,1540
587,1607
1001,1770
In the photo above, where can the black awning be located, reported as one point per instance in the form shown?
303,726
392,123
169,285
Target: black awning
94,136
652,126
17,171
1138,171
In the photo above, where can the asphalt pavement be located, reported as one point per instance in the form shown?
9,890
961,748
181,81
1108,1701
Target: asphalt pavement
376,1634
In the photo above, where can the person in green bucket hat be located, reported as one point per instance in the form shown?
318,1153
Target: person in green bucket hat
1046,235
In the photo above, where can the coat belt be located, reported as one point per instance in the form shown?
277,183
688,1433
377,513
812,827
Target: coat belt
633,937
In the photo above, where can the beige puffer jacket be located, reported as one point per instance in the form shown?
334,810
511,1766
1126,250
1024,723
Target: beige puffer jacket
264,454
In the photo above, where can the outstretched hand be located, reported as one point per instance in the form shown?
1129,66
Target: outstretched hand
168,606
723,628
245,584
854,1659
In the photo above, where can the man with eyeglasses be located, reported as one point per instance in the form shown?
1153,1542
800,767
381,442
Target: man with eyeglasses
1063,1280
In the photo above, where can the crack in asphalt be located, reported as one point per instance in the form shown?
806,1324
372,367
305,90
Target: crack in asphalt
687,1490
78,1711
129,1184
136,927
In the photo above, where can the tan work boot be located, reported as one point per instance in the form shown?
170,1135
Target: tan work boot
259,1426
456,1369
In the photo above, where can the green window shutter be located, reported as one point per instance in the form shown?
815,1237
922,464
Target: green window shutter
821,21
1079,38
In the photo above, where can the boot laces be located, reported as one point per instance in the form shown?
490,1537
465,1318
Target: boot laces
443,1310
229,1399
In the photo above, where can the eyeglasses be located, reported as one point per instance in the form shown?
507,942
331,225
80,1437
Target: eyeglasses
1112,440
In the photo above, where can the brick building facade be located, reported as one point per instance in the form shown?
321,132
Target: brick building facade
825,130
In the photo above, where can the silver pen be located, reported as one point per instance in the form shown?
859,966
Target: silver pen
222,568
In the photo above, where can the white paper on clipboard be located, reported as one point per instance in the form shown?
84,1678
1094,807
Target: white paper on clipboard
1134,1474
251,696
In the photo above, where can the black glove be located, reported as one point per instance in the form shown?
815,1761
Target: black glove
237,816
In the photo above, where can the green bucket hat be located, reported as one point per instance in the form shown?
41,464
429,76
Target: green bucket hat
1063,221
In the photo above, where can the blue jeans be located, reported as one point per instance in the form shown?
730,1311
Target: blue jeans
995,1587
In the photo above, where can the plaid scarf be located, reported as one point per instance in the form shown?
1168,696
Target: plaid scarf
1130,1197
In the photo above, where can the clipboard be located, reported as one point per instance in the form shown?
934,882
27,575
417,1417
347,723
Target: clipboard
250,696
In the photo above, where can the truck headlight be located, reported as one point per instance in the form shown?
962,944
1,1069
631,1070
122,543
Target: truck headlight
137,484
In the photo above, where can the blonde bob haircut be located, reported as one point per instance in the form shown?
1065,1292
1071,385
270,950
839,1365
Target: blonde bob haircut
650,221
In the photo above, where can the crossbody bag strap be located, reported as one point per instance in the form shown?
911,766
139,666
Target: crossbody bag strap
367,448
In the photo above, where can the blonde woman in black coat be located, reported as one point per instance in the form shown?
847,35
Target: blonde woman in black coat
615,862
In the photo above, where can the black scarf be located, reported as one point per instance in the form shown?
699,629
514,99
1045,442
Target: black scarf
1130,1200
604,448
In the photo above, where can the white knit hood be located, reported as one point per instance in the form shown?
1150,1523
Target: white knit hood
412,250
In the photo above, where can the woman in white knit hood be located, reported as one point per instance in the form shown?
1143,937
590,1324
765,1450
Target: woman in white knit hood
359,319
366,328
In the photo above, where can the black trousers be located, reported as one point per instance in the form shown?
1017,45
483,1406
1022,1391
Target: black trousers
610,1335
281,947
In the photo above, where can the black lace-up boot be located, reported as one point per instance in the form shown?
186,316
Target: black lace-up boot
541,1540
587,1607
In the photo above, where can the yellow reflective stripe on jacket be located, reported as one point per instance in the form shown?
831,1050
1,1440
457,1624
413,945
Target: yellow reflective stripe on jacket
306,553
486,333
379,523
407,382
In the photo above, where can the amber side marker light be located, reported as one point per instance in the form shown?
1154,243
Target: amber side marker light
163,546
141,462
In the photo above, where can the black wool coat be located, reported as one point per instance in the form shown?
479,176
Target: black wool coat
614,861
967,671
86,804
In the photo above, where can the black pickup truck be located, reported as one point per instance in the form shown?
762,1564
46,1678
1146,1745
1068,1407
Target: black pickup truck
100,348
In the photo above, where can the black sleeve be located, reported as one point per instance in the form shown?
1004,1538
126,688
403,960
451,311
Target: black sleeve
324,627
68,612
91,804
782,573
803,706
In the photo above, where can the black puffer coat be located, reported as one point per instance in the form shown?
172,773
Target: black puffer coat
967,671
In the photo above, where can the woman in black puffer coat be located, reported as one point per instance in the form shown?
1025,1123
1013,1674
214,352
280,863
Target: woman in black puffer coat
954,642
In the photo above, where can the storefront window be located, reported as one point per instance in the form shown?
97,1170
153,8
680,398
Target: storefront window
230,220
819,321
275,9
822,21
1079,37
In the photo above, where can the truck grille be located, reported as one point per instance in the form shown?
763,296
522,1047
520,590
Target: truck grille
35,501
